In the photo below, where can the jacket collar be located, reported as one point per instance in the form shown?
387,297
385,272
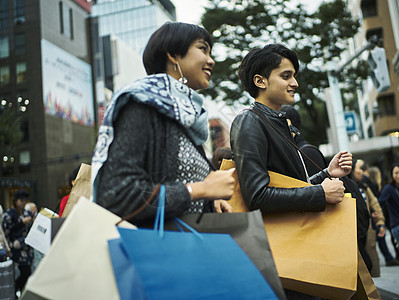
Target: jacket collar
268,111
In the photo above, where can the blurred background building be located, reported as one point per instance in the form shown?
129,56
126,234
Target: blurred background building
46,77
373,132
60,61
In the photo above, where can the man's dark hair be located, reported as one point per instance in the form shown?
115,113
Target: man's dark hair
263,61
174,38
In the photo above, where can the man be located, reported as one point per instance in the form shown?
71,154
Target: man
258,139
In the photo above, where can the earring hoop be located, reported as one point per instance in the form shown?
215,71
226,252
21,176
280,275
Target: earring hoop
182,78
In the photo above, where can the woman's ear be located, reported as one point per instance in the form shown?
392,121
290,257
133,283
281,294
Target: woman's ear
260,81
172,58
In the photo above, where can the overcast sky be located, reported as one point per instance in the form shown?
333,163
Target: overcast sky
190,11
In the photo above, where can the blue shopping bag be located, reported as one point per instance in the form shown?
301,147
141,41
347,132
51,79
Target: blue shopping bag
189,265
127,280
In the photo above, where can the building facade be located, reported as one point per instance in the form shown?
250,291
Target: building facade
379,112
46,76
132,21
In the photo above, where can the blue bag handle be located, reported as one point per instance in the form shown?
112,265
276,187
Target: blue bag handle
160,217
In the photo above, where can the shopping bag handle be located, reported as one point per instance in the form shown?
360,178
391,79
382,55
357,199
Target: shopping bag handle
160,217
141,208
195,232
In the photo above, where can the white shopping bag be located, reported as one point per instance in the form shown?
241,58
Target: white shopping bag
78,265
39,236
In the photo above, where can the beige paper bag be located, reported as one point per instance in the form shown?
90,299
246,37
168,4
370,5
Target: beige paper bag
81,188
78,265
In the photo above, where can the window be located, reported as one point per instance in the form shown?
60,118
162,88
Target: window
378,33
366,111
386,105
24,161
20,44
66,20
3,14
21,72
4,47
19,11
4,75
370,131
7,164
369,8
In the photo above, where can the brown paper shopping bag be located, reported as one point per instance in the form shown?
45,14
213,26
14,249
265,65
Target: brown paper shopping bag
78,265
366,288
314,252
81,188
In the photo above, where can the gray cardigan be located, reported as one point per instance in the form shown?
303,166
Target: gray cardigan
142,154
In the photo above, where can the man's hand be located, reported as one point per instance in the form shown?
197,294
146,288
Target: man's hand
341,164
333,190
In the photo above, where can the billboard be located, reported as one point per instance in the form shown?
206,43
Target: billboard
67,85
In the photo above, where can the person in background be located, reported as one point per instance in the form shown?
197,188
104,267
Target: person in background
32,208
16,224
71,182
153,132
390,198
220,154
372,177
377,224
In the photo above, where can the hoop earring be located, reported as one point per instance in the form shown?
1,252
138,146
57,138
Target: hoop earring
182,78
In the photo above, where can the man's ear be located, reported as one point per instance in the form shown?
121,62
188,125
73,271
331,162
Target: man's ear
260,81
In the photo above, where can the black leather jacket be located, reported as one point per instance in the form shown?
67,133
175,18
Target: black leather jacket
257,148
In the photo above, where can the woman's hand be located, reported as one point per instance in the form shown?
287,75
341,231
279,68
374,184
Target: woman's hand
217,185
222,206
341,164
381,231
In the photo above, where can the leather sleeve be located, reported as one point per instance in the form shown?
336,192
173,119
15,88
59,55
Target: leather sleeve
251,151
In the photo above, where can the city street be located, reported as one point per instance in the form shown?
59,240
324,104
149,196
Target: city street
388,283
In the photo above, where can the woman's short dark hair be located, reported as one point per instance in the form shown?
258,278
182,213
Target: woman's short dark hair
394,165
263,61
174,38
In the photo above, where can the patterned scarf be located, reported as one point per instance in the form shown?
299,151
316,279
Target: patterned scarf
165,94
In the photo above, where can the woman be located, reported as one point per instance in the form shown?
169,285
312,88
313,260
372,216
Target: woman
378,219
154,129
390,198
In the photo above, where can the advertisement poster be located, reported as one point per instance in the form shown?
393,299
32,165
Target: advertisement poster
67,85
